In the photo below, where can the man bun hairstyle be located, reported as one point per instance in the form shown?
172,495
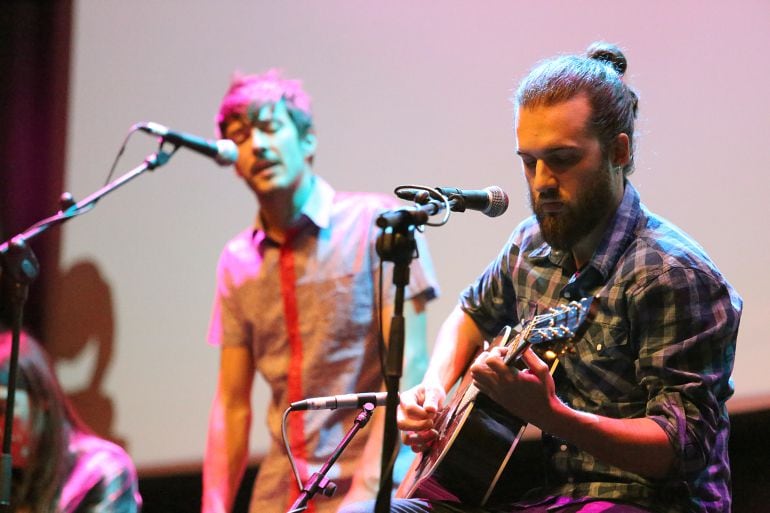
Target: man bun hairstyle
609,53
599,75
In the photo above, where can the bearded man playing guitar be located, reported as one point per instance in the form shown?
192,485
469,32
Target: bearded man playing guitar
634,418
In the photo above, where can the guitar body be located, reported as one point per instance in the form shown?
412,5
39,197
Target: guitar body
477,437
476,440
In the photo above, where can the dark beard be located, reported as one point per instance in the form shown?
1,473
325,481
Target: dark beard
565,229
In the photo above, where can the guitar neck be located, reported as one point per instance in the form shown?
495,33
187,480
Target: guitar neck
517,347
521,344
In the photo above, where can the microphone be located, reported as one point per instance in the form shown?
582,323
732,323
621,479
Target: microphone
492,201
223,151
334,402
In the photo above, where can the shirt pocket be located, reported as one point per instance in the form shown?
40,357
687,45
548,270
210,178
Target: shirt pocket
605,339
603,366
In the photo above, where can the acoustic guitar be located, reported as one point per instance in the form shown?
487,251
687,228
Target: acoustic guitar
477,437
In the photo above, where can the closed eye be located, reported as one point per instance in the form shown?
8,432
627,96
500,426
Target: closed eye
269,126
528,160
562,158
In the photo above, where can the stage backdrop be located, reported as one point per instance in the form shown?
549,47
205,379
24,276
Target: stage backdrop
405,93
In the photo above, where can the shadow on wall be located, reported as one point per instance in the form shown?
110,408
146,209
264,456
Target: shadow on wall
81,326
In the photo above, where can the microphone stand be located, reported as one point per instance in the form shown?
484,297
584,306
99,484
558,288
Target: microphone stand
396,244
18,261
318,481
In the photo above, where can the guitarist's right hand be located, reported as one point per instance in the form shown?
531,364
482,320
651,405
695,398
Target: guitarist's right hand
417,411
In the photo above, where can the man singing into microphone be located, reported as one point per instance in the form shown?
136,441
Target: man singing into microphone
296,300
634,419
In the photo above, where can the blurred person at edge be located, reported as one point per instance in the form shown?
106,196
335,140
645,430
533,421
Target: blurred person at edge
59,464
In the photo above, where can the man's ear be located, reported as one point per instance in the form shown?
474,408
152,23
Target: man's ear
309,143
621,150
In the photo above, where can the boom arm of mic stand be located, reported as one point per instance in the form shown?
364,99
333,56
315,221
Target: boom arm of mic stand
81,207
319,481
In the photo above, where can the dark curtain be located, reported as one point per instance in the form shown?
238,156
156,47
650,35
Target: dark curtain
34,60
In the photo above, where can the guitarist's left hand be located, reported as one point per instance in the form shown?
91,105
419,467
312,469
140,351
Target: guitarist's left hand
527,394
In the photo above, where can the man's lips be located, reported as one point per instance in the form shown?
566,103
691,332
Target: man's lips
550,206
261,166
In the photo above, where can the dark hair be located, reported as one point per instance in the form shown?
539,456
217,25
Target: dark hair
599,75
50,460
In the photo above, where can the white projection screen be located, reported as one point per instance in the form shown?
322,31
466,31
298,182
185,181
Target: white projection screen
404,93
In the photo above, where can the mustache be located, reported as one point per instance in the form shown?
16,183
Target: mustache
549,195
537,201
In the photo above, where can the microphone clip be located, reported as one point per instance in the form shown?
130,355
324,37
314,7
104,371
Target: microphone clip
455,199
491,201
429,201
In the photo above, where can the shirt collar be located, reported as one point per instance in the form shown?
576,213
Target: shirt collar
317,208
616,240
618,236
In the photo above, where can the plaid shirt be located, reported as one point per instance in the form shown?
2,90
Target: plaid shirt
102,480
661,346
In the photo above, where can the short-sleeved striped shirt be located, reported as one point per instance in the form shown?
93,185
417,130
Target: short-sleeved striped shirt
661,346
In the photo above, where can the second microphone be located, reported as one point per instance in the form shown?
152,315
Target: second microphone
491,201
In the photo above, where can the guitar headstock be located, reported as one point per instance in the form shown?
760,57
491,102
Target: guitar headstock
560,324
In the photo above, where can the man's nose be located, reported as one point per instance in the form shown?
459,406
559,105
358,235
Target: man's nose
544,179
258,141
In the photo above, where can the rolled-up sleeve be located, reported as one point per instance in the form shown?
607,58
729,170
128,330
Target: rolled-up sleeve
687,322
